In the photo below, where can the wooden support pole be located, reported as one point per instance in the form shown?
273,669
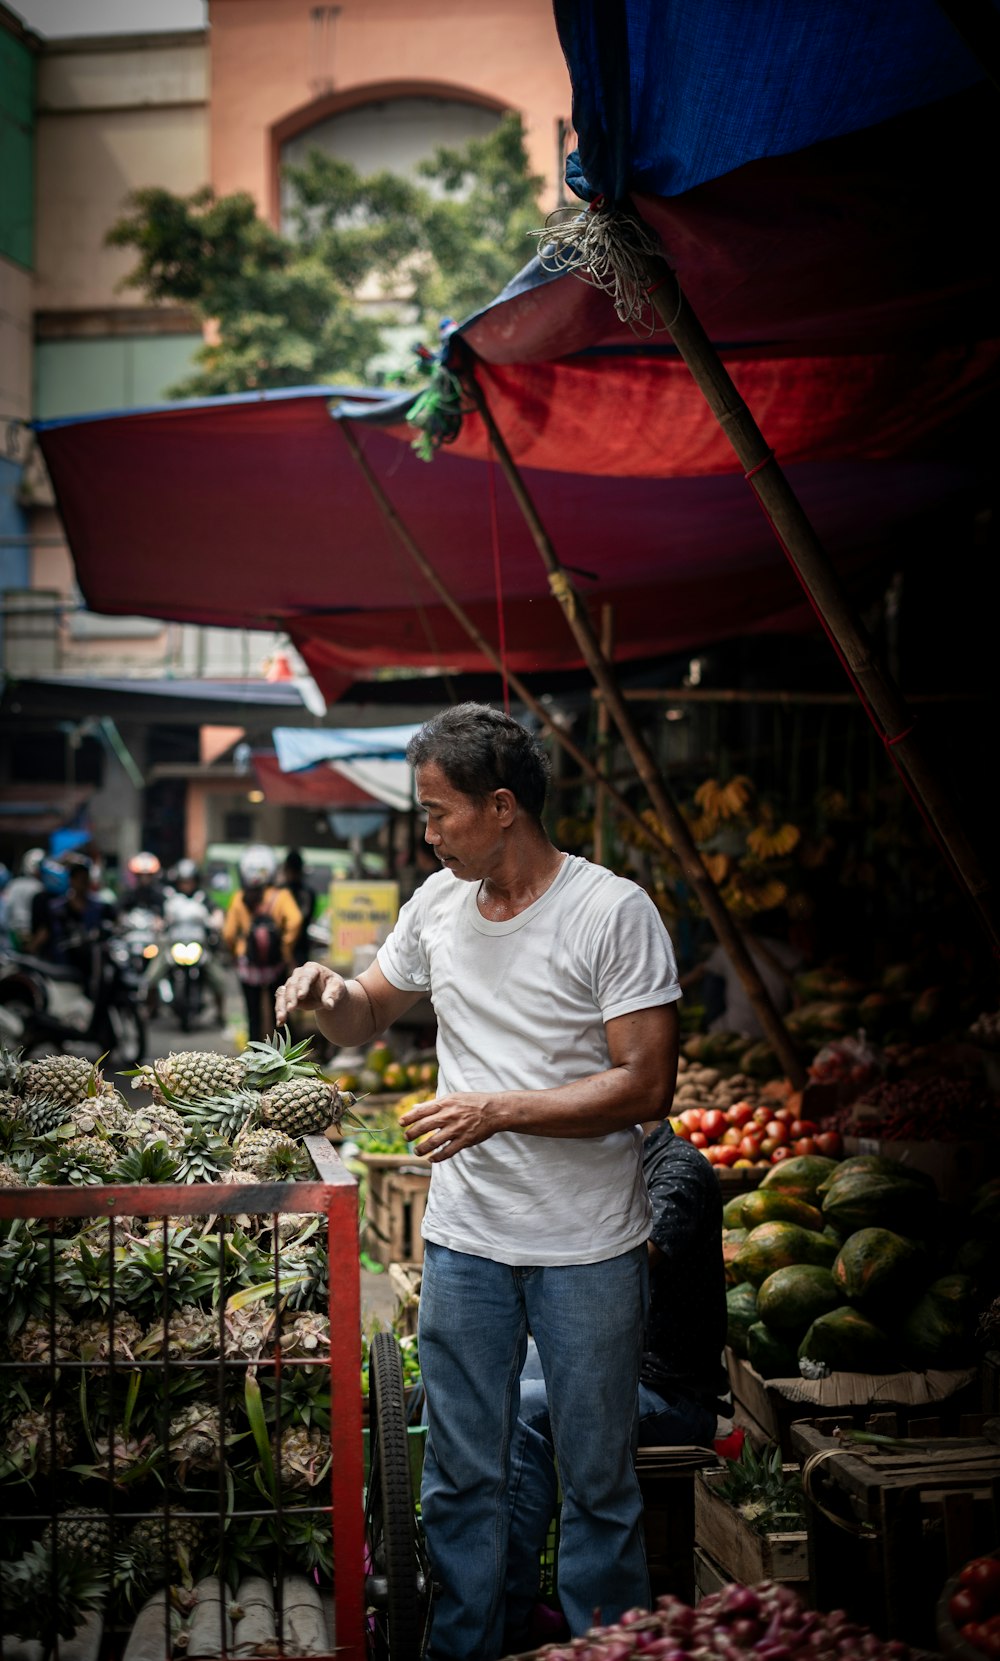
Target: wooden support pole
664,806
489,652
875,687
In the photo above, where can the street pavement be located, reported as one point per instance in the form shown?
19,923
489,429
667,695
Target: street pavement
379,1302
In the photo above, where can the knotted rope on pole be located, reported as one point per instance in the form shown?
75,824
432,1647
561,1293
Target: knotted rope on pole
610,250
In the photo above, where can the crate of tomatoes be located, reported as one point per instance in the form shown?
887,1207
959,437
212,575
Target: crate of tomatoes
968,1613
745,1136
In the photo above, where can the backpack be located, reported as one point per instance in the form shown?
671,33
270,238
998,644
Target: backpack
263,952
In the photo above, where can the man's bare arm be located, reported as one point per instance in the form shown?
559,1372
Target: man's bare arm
637,1086
348,1012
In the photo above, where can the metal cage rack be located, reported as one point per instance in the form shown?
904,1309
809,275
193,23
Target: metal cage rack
313,1604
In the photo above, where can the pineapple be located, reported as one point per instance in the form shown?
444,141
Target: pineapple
268,1154
10,1176
190,1332
305,1457
94,1341
159,1544
37,1441
78,1160
307,1336
203,1157
156,1122
224,1115
247,1331
196,1438
46,1595
119,1455
86,1531
34,1342
295,1098
190,1075
59,1081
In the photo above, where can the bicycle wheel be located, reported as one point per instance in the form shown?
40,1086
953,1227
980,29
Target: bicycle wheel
395,1585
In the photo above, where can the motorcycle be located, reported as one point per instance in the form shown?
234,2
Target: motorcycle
141,931
93,1000
187,940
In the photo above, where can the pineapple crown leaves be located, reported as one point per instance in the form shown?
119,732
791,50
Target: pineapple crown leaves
46,1595
153,1162
11,1067
24,1264
226,1114
202,1156
758,1486
274,1060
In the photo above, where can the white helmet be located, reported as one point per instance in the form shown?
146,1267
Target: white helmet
31,861
185,871
258,866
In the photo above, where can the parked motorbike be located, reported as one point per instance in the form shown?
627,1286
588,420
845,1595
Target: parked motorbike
187,940
141,931
91,1000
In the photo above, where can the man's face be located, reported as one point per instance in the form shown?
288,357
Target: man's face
465,834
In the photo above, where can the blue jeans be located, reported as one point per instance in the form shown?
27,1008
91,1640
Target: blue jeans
587,1321
534,1492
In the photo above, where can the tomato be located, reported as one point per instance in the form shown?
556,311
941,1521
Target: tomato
731,1137
740,1114
713,1123
983,1575
804,1145
698,1139
784,1152
691,1117
724,1155
742,1164
829,1144
785,1115
972,1632
965,1605
801,1127
749,1145
762,1116
777,1130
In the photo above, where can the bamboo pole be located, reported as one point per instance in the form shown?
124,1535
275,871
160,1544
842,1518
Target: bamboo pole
874,685
664,806
583,761
603,737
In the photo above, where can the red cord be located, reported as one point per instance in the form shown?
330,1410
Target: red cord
497,577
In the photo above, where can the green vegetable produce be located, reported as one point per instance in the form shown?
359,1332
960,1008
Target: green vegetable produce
937,1331
770,1353
792,1298
771,1205
775,1245
800,1176
876,1267
741,1308
732,1212
848,1341
874,1199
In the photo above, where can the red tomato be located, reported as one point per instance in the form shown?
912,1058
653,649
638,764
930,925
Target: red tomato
983,1575
713,1123
777,1130
692,1118
965,1605
681,1130
804,1145
732,1136
762,1116
749,1146
829,1144
698,1139
784,1152
740,1113
801,1127
785,1115
724,1155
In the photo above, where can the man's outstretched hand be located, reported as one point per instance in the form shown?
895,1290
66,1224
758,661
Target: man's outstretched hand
313,986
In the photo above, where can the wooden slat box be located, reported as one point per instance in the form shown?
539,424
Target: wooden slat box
743,1555
666,1478
395,1201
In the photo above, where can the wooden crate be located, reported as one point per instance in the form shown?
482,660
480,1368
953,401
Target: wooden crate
775,1405
742,1555
666,1478
708,1576
886,1526
395,1201
405,1279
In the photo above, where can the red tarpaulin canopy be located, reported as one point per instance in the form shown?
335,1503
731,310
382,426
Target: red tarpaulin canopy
321,786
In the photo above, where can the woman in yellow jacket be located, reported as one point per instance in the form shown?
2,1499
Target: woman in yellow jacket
261,930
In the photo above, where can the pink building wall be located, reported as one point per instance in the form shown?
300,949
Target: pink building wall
277,66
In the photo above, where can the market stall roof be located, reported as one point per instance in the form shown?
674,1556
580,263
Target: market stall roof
813,172
319,787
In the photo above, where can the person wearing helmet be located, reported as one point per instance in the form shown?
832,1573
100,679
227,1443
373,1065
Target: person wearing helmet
261,929
147,890
53,886
20,892
184,896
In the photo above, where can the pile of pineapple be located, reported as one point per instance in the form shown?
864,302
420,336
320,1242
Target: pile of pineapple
137,1376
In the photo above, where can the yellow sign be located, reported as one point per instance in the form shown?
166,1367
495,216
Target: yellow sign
361,914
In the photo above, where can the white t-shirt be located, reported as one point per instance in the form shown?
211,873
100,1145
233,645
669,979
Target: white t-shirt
521,1005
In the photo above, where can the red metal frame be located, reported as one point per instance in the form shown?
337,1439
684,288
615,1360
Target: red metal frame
334,1195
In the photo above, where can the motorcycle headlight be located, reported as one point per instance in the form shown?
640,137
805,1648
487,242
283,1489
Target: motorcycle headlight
186,953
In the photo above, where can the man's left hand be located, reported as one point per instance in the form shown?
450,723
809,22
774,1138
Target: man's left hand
442,1128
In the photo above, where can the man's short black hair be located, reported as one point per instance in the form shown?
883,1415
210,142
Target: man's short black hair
479,749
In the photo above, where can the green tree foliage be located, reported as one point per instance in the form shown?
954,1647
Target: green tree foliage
284,310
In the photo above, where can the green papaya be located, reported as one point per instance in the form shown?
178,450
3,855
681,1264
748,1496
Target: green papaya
792,1298
773,1246
874,1164
732,1212
800,1176
849,1342
770,1354
937,1331
875,1199
876,1267
741,1312
772,1205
